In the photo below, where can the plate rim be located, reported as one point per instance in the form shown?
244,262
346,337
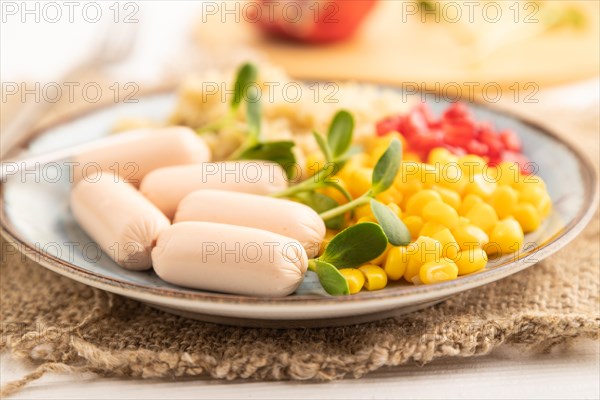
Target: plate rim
423,292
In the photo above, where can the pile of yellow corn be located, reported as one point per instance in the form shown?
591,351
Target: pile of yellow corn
458,210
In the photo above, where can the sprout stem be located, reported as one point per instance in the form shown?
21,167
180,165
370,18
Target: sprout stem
334,212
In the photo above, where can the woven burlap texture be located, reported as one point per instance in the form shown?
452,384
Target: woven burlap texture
61,325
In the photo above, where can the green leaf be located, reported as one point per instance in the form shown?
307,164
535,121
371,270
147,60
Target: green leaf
323,145
245,76
387,167
339,188
253,116
331,279
355,245
339,136
278,152
397,233
321,203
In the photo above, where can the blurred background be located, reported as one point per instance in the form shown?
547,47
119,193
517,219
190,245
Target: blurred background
536,54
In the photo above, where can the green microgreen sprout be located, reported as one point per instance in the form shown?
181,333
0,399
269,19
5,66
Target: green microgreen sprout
384,173
254,147
350,248
336,149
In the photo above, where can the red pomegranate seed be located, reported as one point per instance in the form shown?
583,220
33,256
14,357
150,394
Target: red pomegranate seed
388,125
510,140
459,132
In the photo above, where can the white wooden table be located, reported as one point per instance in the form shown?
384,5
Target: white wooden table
572,373
564,373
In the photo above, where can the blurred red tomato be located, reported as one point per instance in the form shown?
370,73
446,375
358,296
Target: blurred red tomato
311,21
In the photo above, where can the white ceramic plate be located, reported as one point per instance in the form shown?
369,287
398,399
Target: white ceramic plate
36,218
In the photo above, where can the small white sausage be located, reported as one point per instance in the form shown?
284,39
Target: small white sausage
141,152
166,187
284,217
122,221
230,259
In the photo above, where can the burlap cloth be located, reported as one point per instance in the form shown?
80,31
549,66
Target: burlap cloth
61,325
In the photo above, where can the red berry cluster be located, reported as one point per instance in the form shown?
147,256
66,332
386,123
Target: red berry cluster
457,131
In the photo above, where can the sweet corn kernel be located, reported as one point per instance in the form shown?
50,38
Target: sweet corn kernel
449,197
481,185
392,195
414,224
472,260
468,202
314,162
533,195
334,193
506,237
411,157
408,190
348,169
396,263
375,277
382,257
471,164
470,236
507,173
453,178
363,211
379,145
422,250
527,216
355,279
483,215
462,221
535,180
366,219
360,181
414,171
375,141
441,213
450,247
441,156
504,200
430,228
419,200
438,271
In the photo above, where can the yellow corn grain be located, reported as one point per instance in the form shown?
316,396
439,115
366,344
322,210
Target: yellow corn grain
375,277
422,250
468,202
527,216
504,200
419,200
442,213
438,271
360,181
483,215
414,223
481,185
449,197
396,263
355,279
471,164
450,247
472,260
506,237
470,236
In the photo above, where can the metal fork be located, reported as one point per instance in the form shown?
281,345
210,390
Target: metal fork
113,45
